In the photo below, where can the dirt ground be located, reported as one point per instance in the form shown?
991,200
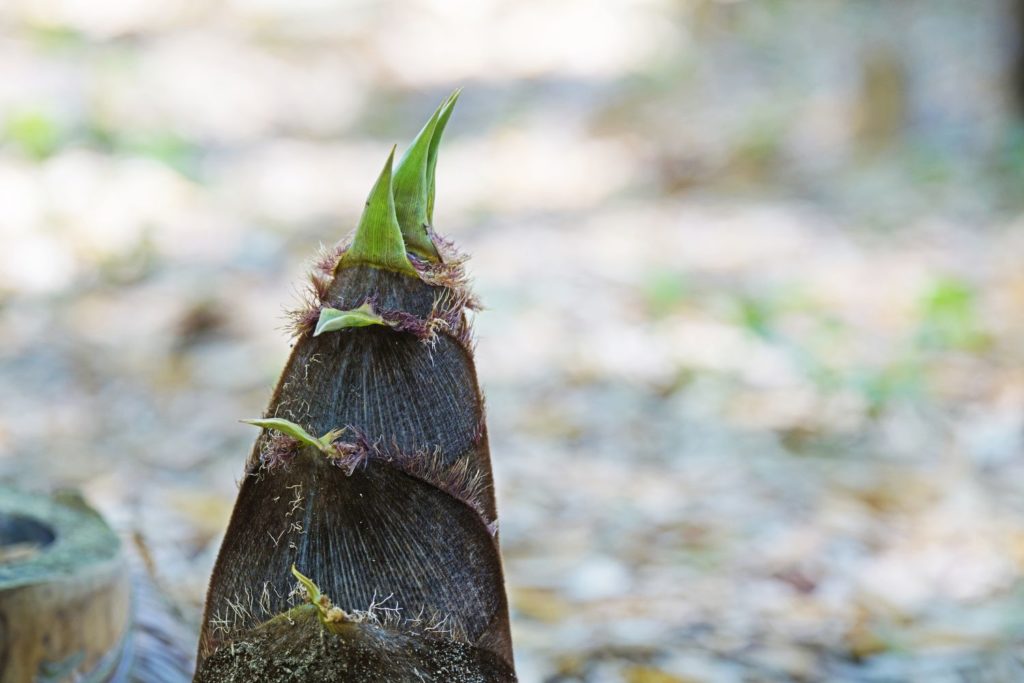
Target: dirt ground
754,325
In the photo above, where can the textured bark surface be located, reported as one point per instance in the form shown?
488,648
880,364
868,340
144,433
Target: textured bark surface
376,533
410,519
296,648
388,386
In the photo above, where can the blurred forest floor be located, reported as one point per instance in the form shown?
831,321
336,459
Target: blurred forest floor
755,305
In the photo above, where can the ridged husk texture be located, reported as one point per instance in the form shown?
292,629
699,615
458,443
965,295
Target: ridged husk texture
403,517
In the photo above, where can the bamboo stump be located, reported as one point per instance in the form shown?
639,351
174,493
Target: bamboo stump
65,593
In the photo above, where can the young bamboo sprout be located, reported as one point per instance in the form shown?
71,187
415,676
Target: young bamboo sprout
391,511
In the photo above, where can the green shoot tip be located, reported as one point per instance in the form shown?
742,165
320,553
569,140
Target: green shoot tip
378,241
435,142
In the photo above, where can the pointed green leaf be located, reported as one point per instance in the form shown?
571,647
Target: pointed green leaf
286,427
410,189
330,616
332,319
312,590
378,241
435,141
325,444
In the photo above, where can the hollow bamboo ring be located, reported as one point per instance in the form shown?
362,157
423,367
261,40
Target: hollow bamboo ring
65,593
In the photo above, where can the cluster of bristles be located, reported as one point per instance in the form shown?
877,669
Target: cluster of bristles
446,316
378,614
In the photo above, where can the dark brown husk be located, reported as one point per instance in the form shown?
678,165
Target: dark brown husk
407,511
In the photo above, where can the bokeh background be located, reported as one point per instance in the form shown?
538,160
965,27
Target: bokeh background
753,275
